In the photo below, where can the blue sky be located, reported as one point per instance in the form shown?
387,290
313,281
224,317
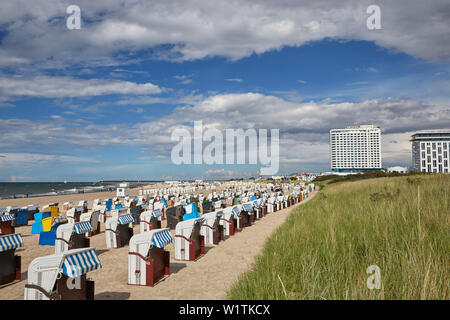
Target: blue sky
91,104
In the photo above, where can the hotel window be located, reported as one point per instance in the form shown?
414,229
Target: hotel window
429,168
423,163
439,150
434,154
434,146
428,150
434,163
440,168
439,159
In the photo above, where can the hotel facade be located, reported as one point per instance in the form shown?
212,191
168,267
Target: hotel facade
355,149
431,150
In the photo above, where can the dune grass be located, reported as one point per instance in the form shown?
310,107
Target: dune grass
322,251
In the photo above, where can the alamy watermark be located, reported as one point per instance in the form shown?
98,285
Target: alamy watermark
223,150
374,280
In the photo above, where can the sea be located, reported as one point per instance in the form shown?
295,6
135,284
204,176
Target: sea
9,190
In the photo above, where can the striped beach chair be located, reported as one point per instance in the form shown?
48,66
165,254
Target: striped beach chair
189,243
150,219
7,224
72,236
10,263
211,229
62,276
148,262
118,230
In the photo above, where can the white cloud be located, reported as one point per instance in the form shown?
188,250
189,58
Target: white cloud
304,127
234,80
61,87
187,30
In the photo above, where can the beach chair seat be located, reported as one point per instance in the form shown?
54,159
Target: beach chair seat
10,263
62,276
148,262
7,224
189,243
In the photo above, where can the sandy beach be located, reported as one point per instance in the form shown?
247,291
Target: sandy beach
210,277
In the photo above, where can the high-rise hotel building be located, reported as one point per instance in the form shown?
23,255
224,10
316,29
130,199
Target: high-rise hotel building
355,148
431,150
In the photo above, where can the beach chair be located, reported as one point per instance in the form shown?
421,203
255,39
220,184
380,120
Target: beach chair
118,231
72,236
136,212
207,206
94,218
62,276
31,210
49,226
148,262
74,214
175,215
10,263
211,228
271,206
191,211
257,210
84,205
53,208
22,217
227,221
150,220
189,243
36,227
247,214
7,224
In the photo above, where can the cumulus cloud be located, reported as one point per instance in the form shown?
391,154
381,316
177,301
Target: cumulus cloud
62,87
304,126
188,30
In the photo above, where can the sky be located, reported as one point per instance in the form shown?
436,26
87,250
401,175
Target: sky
101,102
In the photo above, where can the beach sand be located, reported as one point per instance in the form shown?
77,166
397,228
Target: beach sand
210,277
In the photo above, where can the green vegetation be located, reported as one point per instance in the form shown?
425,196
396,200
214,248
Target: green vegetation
400,224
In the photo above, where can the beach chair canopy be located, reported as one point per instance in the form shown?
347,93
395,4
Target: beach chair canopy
3,211
10,241
7,217
83,227
235,211
125,219
142,242
157,213
247,207
80,261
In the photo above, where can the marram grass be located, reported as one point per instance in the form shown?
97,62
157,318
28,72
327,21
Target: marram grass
325,246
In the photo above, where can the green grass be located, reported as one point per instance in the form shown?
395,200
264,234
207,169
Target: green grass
322,251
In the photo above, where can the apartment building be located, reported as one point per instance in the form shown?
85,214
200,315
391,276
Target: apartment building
355,148
431,150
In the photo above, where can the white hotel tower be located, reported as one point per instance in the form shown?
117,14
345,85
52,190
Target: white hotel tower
355,148
431,151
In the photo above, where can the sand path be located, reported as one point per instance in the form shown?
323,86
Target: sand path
210,277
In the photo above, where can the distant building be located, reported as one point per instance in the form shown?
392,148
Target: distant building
398,169
430,150
355,149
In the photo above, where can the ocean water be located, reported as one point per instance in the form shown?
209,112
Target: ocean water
39,189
